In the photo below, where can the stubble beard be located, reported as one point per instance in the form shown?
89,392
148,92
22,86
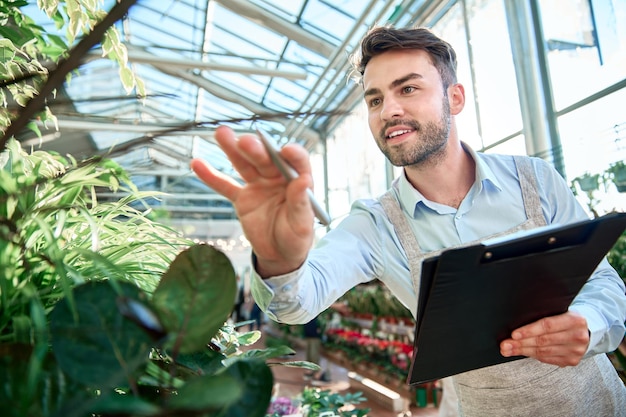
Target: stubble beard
429,147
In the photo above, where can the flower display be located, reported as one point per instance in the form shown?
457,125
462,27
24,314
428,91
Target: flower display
393,355
282,406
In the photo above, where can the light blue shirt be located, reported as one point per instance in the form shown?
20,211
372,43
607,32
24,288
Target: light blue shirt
364,247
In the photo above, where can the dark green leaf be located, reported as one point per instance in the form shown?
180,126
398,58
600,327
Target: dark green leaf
207,393
102,348
301,364
207,362
268,353
195,296
259,381
125,405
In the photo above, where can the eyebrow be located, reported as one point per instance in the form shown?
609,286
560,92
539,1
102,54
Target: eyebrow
394,83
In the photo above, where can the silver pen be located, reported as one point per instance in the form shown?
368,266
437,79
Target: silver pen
290,174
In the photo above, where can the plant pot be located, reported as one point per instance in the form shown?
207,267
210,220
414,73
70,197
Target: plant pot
588,182
619,179
621,186
617,173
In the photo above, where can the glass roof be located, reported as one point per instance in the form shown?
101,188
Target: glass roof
281,63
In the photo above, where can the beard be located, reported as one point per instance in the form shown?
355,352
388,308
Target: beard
430,145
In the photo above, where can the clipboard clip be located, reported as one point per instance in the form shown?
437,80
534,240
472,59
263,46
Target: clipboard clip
488,255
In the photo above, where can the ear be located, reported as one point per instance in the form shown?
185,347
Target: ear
456,96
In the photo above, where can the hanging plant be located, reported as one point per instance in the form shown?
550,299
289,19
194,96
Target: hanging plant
617,173
588,182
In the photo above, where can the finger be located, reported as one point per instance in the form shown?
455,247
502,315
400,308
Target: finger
299,159
218,181
555,355
574,341
229,144
571,344
561,361
299,208
553,324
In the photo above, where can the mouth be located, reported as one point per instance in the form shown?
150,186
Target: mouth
398,133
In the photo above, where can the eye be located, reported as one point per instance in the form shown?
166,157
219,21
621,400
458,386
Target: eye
374,102
408,89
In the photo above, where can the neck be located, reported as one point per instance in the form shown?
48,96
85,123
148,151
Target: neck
446,180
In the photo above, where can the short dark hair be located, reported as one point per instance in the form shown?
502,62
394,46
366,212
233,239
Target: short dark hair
387,38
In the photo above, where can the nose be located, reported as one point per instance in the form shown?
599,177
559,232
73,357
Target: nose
391,109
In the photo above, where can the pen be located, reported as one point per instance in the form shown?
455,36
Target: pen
290,174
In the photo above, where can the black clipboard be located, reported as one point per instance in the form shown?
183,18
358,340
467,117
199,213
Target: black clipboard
472,298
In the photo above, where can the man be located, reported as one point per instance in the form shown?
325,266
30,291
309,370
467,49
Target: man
448,196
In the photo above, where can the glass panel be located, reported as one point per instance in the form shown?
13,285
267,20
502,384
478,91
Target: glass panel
586,43
287,9
496,87
513,146
594,136
356,167
451,28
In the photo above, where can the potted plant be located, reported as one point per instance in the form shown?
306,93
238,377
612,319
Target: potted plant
588,182
107,312
617,173
104,311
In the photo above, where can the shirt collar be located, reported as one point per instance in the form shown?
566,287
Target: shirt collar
410,197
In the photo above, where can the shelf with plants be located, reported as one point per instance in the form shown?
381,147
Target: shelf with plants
389,359
372,305
373,336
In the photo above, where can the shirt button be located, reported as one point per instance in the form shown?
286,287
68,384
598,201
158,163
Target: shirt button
287,288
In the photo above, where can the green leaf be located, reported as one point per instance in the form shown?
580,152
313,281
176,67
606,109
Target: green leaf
195,296
301,364
102,348
269,353
248,338
33,127
210,392
22,328
207,362
258,383
128,79
125,405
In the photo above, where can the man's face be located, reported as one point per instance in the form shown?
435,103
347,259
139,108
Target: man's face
409,112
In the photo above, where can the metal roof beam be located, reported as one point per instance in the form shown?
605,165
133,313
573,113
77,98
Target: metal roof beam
307,134
83,124
143,57
281,26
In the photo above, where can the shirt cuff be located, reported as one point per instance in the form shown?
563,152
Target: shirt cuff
275,295
597,329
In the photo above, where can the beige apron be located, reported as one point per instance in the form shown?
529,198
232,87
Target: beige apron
524,387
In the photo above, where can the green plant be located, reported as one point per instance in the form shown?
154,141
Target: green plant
617,256
26,47
374,300
117,351
315,401
104,311
54,234
616,172
588,182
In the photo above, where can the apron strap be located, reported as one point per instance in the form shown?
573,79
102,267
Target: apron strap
405,235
